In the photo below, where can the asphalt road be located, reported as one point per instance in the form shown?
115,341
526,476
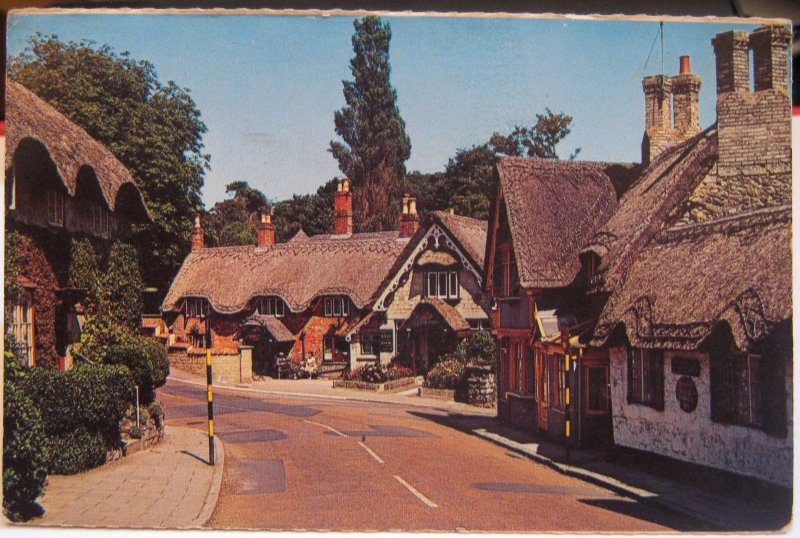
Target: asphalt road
296,463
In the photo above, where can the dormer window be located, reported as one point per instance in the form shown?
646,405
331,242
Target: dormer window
55,207
441,284
338,306
271,306
100,220
196,307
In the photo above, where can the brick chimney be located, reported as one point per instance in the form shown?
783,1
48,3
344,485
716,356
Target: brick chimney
343,208
198,235
409,219
658,116
664,96
685,92
754,125
266,231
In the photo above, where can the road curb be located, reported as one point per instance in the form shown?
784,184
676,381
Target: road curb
213,491
343,398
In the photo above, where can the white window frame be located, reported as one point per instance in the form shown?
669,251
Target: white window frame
271,306
337,306
55,207
22,326
442,284
196,307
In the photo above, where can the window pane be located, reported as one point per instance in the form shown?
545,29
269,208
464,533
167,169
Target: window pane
597,393
328,307
345,306
453,288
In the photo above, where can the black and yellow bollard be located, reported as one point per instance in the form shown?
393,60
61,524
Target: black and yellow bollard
567,406
210,408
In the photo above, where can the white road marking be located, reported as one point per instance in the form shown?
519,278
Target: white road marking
416,493
334,430
370,452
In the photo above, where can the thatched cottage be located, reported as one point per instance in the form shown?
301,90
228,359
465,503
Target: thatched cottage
672,299
327,299
60,183
543,214
695,271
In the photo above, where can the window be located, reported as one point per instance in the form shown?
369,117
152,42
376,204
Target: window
22,326
596,390
646,377
337,307
505,280
335,348
271,306
370,343
441,284
737,392
196,307
100,220
55,207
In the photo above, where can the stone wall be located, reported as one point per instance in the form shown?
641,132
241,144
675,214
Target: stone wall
481,387
693,436
227,369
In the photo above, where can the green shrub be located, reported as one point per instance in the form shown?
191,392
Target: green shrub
146,359
369,373
156,410
480,348
77,451
25,454
446,374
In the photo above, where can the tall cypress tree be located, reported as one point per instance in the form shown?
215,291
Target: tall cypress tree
376,145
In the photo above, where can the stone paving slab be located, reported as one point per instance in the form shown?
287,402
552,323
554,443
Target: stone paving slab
169,485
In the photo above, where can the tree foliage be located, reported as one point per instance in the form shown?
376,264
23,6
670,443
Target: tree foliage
154,129
313,213
234,221
375,145
467,183
84,266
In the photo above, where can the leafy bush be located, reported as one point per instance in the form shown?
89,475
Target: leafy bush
398,372
147,361
446,374
78,408
156,410
77,451
369,373
25,454
480,348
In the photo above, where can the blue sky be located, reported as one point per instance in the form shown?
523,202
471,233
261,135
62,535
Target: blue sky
267,85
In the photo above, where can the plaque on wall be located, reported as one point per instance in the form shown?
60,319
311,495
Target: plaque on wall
387,341
686,392
685,366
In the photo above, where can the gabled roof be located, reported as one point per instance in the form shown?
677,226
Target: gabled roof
297,271
299,236
690,278
449,314
273,325
652,200
553,207
70,147
471,233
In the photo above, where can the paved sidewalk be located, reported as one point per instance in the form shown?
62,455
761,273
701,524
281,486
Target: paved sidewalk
169,485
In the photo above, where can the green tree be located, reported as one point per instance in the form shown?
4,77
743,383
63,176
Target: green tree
313,213
154,129
234,221
376,145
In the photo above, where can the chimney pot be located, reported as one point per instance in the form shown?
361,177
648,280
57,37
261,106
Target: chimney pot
686,65
409,220
198,235
266,231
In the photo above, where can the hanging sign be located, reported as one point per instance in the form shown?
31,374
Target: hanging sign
387,341
686,392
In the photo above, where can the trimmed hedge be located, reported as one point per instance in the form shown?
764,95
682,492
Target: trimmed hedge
479,348
81,410
25,454
148,362
77,451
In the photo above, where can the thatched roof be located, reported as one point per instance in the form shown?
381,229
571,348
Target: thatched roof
297,271
448,313
650,202
71,149
689,278
299,236
469,232
273,325
553,207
